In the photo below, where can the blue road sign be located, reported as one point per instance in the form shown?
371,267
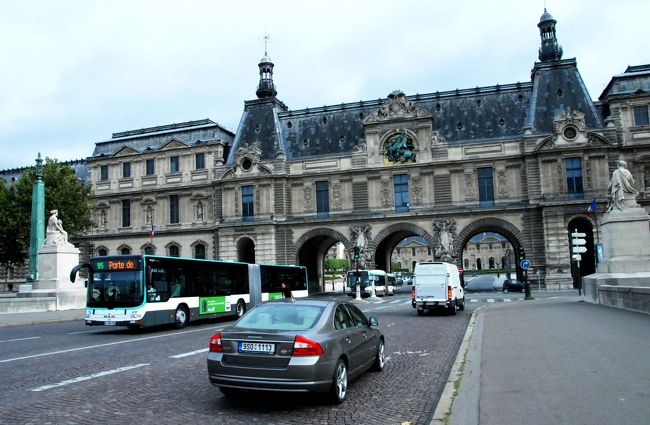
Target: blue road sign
524,264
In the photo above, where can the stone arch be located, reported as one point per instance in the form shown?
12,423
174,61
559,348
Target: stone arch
321,231
384,237
310,250
124,247
149,245
246,248
491,224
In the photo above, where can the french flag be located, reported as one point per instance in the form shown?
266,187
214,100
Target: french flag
152,230
592,207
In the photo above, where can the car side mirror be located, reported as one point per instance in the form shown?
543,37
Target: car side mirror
373,321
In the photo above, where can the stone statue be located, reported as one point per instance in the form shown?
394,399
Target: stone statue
445,229
199,211
620,188
360,235
55,235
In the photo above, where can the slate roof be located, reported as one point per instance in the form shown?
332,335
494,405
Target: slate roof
635,80
465,116
152,138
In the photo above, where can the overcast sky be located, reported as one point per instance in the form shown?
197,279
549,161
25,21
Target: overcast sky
74,72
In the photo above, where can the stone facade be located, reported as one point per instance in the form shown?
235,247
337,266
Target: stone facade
523,160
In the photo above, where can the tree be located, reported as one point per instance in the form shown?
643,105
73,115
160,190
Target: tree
63,192
12,249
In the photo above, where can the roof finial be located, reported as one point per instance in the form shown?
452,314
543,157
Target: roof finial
266,40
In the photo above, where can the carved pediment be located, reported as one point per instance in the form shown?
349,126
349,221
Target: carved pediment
173,144
397,107
124,151
569,117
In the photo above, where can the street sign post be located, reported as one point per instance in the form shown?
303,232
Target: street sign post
578,247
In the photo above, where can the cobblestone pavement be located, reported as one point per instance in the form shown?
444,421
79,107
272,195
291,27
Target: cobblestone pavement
164,389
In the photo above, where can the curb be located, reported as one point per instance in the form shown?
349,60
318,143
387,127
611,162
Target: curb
444,408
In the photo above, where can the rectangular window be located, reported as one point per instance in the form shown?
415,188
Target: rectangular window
199,160
103,172
150,167
174,164
485,187
574,178
641,115
126,213
173,209
247,203
322,199
401,188
126,169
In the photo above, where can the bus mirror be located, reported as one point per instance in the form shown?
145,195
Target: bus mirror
73,273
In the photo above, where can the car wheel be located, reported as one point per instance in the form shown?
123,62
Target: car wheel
340,382
241,308
505,290
181,317
461,306
420,312
452,308
380,359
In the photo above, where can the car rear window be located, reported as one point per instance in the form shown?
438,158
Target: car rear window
430,269
281,316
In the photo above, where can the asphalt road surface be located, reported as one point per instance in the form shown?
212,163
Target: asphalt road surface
73,374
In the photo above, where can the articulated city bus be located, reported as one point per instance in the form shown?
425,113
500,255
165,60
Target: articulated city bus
146,290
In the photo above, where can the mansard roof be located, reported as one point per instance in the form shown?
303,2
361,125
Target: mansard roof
635,80
189,132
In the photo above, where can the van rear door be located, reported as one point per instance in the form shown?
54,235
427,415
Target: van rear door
430,282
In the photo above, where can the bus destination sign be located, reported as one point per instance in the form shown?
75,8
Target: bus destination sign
115,264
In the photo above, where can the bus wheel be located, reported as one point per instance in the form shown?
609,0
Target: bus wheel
241,308
182,317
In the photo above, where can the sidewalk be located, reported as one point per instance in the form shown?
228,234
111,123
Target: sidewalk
13,319
550,361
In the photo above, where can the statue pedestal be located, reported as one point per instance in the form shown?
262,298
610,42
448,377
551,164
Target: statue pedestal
623,276
55,263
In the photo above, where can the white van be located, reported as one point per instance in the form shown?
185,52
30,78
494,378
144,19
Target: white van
437,285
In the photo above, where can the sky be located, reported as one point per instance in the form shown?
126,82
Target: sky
76,71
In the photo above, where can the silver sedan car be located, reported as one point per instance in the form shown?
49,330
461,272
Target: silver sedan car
301,345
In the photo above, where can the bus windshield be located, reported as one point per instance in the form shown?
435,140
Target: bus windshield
363,279
108,289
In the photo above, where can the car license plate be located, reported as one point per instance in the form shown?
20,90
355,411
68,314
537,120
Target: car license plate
256,347
111,323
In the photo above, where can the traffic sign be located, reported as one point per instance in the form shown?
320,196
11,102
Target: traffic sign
578,235
577,257
578,249
524,264
578,242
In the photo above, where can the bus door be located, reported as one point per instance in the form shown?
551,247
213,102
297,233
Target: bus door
254,284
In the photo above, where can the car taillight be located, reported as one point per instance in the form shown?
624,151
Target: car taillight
215,343
413,292
306,347
449,292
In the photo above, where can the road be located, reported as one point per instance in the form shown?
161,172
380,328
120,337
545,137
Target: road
70,373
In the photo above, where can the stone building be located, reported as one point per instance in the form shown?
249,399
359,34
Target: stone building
522,159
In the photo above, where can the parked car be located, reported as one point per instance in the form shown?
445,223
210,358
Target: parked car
512,285
481,284
296,345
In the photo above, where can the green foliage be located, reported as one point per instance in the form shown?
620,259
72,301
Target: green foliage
63,192
12,249
337,264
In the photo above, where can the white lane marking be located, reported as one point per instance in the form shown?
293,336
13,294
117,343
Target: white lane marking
490,300
20,339
396,301
383,306
507,300
473,300
84,332
85,378
108,344
191,353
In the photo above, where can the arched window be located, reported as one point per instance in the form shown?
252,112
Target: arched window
149,250
125,250
199,251
174,251
102,252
